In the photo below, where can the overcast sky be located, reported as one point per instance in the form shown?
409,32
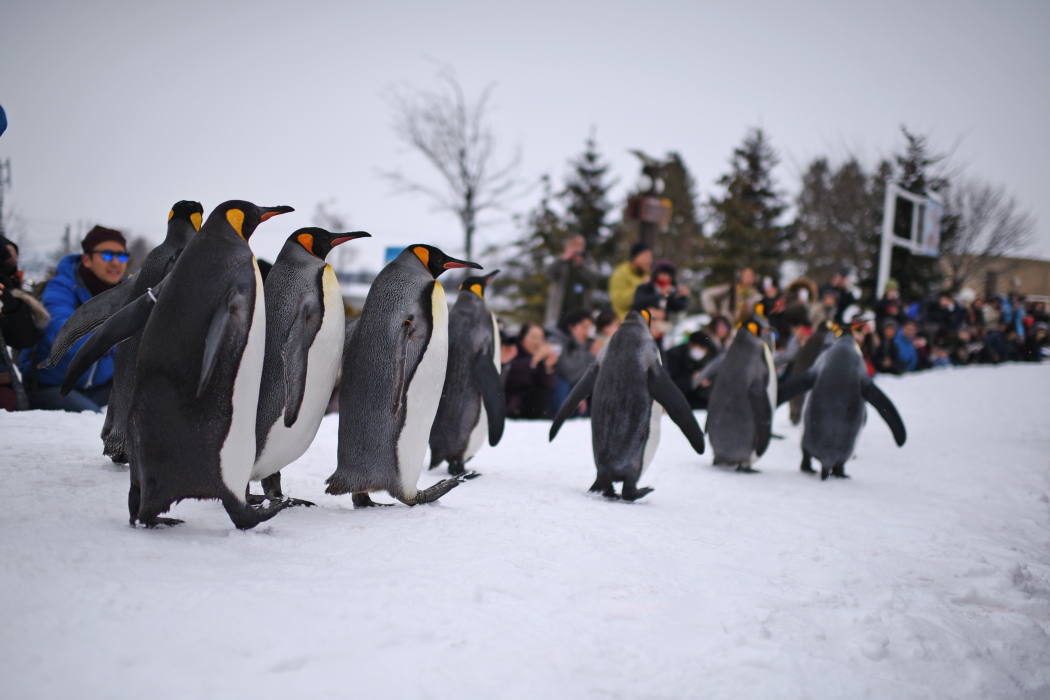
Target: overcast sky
118,109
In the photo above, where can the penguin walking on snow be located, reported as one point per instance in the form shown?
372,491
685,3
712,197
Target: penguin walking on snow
305,327
184,221
628,386
744,397
472,403
835,408
393,372
191,430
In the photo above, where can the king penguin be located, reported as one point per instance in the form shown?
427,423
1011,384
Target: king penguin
744,397
839,387
184,220
629,385
472,403
305,327
393,372
191,426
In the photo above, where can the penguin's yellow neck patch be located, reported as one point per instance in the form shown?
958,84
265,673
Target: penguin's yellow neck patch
171,214
195,219
646,316
307,241
476,288
423,254
236,219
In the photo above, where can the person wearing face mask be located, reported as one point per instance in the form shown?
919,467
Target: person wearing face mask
77,279
686,361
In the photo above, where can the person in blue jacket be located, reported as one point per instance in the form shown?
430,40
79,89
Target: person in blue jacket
77,279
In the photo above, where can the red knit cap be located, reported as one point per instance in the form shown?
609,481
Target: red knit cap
101,234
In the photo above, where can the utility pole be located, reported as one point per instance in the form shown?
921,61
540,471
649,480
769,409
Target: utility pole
5,183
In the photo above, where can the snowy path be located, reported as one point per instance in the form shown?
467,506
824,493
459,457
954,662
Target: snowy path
925,576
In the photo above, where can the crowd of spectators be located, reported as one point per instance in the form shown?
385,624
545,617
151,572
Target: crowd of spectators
895,338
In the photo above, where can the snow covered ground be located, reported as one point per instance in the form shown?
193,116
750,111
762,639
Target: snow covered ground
924,576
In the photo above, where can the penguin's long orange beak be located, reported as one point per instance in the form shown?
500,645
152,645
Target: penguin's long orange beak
452,263
267,212
344,237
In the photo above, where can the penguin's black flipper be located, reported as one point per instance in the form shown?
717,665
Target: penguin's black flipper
581,391
491,386
401,365
873,395
235,305
91,314
796,386
120,326
762,413
666,393
294,354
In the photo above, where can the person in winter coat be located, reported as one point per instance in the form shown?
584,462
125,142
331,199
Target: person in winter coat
662,292
1035,341
1001,345
844,297
529,379
736,300
22,321
886,357
908,349
77,279
627,276
686,361
575,357
573,277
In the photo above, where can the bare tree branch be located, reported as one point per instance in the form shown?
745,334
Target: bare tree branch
453,136
991,226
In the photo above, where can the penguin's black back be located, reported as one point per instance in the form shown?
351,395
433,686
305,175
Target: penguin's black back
369,426
470,332
835,408
731,426
295,275
175,437
155,267
620,403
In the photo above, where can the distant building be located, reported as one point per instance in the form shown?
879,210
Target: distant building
1022,275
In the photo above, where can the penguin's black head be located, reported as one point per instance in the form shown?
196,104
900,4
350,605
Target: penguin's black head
319,242
189,211
478,284
437,262
243,217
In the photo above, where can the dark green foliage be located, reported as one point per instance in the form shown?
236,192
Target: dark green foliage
747,233
839,219
683,242
546,230
919,275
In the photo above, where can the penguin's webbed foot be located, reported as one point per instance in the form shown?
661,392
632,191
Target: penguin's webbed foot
363,500
161,522
437,490
839,471
457,469
807,469
747,469
254,500
634,494
292,502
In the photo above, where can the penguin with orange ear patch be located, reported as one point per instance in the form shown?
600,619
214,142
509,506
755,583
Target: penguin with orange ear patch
305,325
394,368
472,404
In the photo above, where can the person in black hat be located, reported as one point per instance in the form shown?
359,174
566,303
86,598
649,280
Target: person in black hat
627,276
77,278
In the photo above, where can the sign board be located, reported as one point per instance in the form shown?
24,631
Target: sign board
911,221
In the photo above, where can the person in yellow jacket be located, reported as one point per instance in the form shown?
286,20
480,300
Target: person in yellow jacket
627,276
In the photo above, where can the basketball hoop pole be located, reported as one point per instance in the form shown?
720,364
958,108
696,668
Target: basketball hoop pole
886,242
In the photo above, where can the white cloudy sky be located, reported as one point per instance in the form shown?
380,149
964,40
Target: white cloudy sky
118,109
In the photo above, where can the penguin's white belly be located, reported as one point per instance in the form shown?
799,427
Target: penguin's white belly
771,392
477,435
656,413
424,395
237,455
285,445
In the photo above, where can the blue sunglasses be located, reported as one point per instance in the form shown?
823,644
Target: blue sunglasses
108,255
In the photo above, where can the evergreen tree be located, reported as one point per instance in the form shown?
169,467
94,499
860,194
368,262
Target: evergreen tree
747,233
918,275
839,219
683,243
585,196
523,279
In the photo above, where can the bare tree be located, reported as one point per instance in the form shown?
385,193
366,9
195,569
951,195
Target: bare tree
989,225
455,137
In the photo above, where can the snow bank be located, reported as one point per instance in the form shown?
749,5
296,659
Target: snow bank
924,576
